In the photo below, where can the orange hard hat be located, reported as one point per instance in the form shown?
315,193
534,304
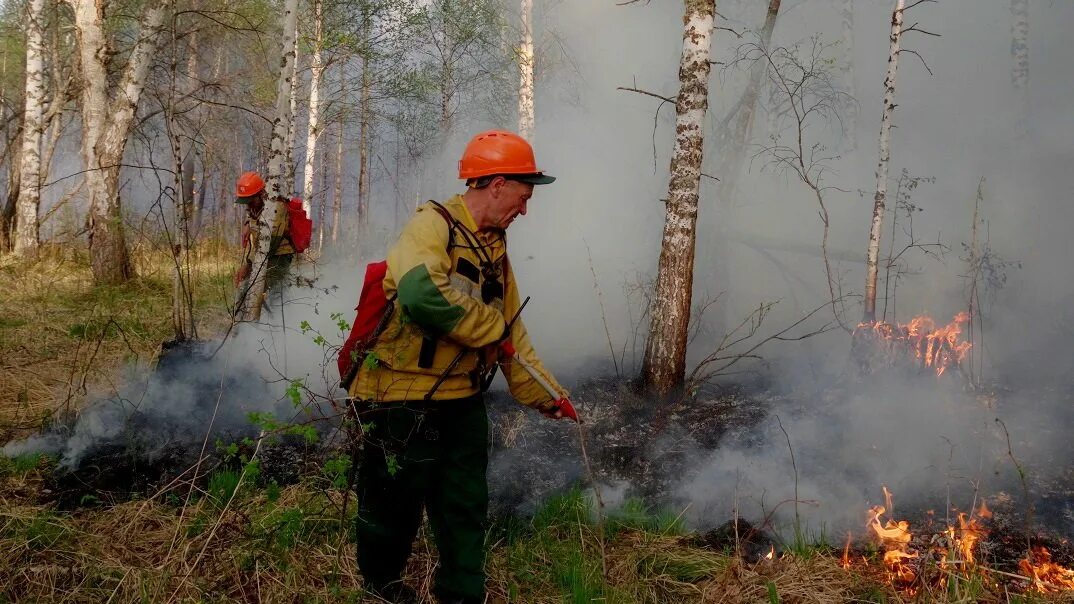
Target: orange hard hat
501,152
249,184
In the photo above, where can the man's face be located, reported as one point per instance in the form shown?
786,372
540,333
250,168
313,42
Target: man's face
509,201
256,204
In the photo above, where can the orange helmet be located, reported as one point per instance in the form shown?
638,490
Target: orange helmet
249,184
501,152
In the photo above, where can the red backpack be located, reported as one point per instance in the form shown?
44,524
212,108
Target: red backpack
374,310
300,227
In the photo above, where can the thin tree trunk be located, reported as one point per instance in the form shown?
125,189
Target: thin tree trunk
289,172
276,165
363,146
1020,61
105,126
27,234
183,158
664,366
732,155
525,66
7,212
850,118
313,128
337,194
322,206
873,255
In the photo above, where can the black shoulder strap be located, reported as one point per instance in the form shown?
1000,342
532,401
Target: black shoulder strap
452,223
472,241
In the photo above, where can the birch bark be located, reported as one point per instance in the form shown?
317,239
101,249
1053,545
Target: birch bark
664,366
26,221
337,193
289,169
106,123
879,201
275,183
525,66
313,128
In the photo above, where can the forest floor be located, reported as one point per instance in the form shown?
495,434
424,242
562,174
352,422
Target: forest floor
236,536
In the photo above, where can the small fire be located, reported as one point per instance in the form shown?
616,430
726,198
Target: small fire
939,348
845,562
895,537
957,548
1047,576
771,555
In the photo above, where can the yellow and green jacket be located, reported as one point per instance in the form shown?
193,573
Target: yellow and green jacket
445,303
279,245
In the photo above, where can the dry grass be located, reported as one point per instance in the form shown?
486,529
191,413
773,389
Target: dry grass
288,545
61,336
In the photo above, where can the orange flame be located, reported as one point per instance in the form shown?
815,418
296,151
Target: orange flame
939,348
1047,576
895,537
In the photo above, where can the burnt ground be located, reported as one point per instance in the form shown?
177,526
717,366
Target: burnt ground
636,448
641,451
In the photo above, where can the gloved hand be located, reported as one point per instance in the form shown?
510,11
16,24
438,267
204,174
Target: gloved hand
561,408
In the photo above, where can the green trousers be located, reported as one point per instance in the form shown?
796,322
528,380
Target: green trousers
433,456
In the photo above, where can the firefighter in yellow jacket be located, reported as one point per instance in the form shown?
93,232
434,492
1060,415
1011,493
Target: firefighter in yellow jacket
420,388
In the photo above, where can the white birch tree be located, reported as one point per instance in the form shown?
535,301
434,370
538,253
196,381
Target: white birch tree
107,116
29,201
525,67
289,144
664,366
313,128
873,254
275,182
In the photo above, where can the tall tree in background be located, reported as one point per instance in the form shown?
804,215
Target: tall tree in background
26,221
107,116
873,254
850,119
1020,59
365,111
525,67
313,128
275,182
733,151
664,366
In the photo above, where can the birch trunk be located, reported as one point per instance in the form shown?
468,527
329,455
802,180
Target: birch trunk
664,366
289,170
525,66
313,128
732,155
27,234
106,123
274,184
879,201
183,158
337,193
